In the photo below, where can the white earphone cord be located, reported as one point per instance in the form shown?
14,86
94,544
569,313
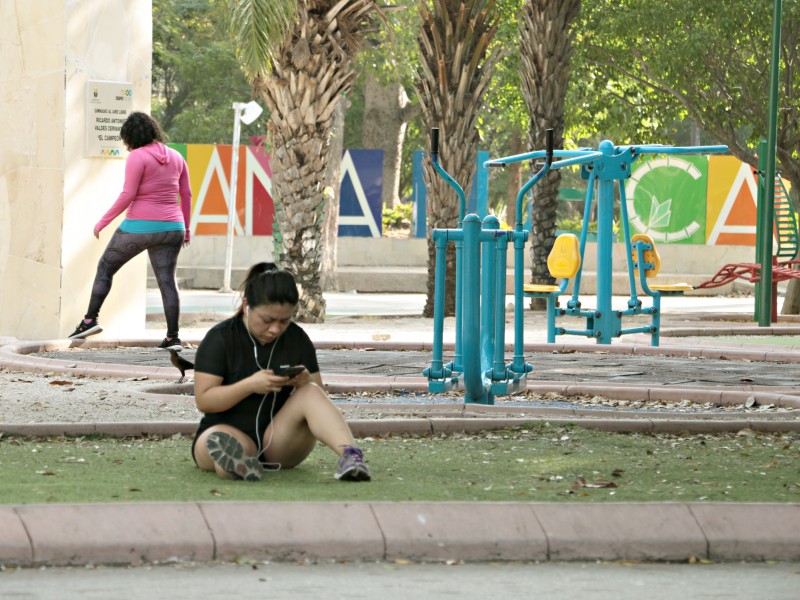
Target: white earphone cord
268,466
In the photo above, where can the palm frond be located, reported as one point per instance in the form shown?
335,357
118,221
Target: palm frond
260,27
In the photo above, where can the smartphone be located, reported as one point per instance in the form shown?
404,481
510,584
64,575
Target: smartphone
289,370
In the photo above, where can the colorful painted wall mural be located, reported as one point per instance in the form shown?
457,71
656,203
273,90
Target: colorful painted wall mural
694,200
209,171
675,199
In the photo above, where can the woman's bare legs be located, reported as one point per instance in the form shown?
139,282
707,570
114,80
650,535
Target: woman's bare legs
307,417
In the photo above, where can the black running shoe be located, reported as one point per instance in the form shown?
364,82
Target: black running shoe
84,330
173,344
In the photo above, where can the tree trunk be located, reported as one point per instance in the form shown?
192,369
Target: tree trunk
333,175
456,65
384,127
543,231
791,302
546,42
312,72
514,179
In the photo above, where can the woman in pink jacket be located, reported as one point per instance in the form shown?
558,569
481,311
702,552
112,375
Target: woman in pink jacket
155,177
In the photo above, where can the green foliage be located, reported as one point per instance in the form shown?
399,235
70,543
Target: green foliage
646,65
390,52
397,217
196,76
259,27
574,224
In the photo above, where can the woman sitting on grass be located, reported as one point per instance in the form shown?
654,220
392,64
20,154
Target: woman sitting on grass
254,417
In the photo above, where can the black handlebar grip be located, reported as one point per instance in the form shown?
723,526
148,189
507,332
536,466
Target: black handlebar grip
549,146
434,140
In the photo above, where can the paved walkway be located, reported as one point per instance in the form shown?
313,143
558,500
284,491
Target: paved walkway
702,370
400,581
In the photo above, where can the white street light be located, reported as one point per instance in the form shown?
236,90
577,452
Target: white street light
246,113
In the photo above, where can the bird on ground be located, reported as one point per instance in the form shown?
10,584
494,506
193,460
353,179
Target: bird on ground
181,364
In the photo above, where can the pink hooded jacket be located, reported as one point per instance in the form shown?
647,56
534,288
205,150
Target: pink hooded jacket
155,176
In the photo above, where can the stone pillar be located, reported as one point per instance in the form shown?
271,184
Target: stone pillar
51,192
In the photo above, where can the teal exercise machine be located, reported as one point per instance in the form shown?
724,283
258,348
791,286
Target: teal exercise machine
481,250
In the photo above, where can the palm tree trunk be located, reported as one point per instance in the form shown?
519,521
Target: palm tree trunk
546,43
309,75
456,66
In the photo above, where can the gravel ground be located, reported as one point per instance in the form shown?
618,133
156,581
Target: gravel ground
57,398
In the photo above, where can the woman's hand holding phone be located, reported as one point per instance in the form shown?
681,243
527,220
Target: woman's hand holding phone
297,375
266,381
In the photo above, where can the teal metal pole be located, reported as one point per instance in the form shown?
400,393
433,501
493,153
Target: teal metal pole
475,393
605,224
487,297
440,241
765,316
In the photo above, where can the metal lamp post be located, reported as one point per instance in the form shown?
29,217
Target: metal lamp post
242,113
768,210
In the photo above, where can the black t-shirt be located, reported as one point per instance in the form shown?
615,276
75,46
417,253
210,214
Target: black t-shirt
228,352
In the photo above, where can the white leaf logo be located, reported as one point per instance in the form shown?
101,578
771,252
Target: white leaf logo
660,213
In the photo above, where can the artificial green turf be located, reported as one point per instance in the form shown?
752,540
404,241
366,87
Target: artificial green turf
770,340
541,464
792,341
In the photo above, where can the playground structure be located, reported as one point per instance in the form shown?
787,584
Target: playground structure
479,356
784,260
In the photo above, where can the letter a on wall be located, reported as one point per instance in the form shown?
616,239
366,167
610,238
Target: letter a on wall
360,193
731,202
209,171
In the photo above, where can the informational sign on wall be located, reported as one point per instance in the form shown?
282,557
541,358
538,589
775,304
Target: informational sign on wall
108,104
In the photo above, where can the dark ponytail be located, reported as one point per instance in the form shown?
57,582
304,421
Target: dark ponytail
267,284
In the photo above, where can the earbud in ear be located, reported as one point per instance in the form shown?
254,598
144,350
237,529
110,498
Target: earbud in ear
246,311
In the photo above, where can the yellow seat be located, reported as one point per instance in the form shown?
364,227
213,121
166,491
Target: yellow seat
671,288
563,262
651,256
565,257
540,288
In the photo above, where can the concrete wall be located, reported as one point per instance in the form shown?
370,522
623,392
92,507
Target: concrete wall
209,251
50,193
400,265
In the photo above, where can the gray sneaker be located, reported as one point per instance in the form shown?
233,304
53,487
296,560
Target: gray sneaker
228,453
351,466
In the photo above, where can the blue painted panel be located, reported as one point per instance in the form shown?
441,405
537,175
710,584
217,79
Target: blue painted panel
419,196
360,205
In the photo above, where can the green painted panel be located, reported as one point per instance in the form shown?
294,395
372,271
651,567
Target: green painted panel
666,198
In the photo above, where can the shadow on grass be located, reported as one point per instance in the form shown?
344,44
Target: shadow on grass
539,464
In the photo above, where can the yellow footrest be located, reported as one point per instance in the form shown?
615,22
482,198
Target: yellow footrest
540,288
670,287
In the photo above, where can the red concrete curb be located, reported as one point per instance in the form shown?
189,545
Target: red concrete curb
374,531
437,424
